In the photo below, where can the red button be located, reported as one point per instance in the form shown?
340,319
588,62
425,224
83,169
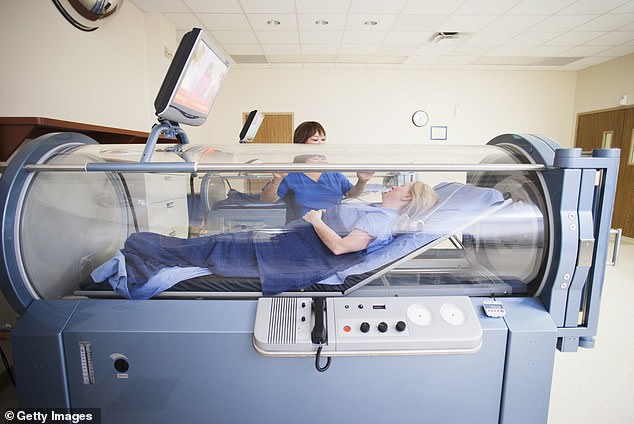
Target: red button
346,328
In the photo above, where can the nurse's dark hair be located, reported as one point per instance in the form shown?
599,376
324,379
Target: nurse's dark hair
307,129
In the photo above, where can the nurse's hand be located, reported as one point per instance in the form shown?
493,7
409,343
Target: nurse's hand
365,176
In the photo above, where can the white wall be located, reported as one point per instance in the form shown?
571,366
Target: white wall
50,68
375,106
110,77
601,86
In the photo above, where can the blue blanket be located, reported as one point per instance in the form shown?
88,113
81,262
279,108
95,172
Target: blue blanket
274,258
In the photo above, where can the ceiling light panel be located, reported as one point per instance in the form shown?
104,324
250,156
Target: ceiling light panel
335,21
357,22
260,21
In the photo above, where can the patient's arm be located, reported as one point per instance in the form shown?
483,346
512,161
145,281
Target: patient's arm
353,242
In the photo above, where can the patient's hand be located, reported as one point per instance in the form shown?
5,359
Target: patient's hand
313,216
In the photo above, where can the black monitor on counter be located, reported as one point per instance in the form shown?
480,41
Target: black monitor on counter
192,82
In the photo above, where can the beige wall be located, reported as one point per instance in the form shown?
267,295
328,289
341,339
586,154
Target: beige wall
375,106
601,86
110,77
52,69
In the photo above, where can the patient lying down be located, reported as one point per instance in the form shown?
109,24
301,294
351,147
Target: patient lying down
292,259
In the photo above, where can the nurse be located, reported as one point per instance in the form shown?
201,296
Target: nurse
303,192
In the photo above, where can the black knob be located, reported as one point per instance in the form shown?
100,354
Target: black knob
400,326
365,327
382,327
121,365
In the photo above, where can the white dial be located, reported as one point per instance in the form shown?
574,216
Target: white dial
419,314
453,314
420,118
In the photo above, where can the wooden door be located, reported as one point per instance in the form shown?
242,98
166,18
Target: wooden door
613,128
624,206
276,127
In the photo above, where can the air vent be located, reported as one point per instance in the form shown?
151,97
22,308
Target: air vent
444,36
250,58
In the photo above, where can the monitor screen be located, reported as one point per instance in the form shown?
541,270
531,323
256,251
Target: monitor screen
192,81
251,126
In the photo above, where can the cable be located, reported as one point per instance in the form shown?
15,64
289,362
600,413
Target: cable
318,360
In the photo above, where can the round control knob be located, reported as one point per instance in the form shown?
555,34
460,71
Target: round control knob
365,327
382,327
121,365
400,326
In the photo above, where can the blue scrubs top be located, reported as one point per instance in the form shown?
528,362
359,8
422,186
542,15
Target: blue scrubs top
323,194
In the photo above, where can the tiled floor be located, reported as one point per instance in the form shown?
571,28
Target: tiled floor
590,386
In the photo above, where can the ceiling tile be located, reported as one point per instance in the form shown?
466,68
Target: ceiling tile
608,22
613,38
574,38
277,49
580,7
243,49
359,22
277,37
234,37
183,21
320,49
561,23
538,7
396,49
358,49
320,37
268,6
164,6
377,6
215,6
513,23
322,6
485,7
361,37
489,38
466,23
418,22
225,21
334,21
263,21
431,7
406,38
532,38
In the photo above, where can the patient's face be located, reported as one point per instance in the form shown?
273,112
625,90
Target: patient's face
398,192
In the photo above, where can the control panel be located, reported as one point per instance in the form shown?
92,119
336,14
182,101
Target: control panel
367,326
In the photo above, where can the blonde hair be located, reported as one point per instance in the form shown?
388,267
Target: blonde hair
412,217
